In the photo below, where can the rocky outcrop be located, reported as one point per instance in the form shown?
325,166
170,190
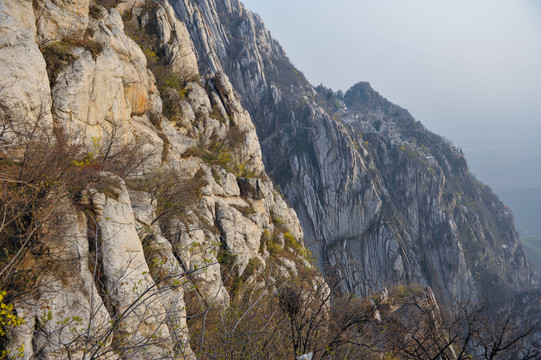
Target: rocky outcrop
25,95
56,19
69,304
363,202
176,201
184,188
127,278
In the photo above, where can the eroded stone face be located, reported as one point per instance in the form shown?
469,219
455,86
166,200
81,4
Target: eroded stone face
25,97
56,19
130,261
70,315
370,204
345,191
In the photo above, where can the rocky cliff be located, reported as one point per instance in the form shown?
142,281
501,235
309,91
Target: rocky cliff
118,212
363,200
139,149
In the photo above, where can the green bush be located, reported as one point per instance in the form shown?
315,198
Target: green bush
222,153
291,241
265,238
273,248
404,292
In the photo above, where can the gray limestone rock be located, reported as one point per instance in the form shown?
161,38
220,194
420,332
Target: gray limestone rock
363,200
250,188
139,253
365,203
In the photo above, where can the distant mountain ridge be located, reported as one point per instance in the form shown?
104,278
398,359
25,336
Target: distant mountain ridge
164,169
526,207
362,199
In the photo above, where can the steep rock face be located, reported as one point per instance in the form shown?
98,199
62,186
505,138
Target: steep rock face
25,95
365,203
59,18
181,192
460,225
70,295
131,244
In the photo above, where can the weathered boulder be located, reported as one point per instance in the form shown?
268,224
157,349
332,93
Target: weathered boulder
130,288
56,19
144,241
25,98
72,317
241,236
250,187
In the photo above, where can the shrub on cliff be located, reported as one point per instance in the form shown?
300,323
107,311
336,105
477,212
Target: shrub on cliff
36,173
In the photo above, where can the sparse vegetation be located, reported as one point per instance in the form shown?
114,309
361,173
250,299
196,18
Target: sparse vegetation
406,292
223,153
59,54
94,11
173,191
48,170
108,4
246,211
292,242
170,82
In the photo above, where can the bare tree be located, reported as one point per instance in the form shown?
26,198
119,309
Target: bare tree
470,332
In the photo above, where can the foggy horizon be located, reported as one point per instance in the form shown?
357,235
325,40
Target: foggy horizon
467,71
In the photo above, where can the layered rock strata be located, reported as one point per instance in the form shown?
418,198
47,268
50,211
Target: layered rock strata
126,255
363,202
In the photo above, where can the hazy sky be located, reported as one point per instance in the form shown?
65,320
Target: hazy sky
468,69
